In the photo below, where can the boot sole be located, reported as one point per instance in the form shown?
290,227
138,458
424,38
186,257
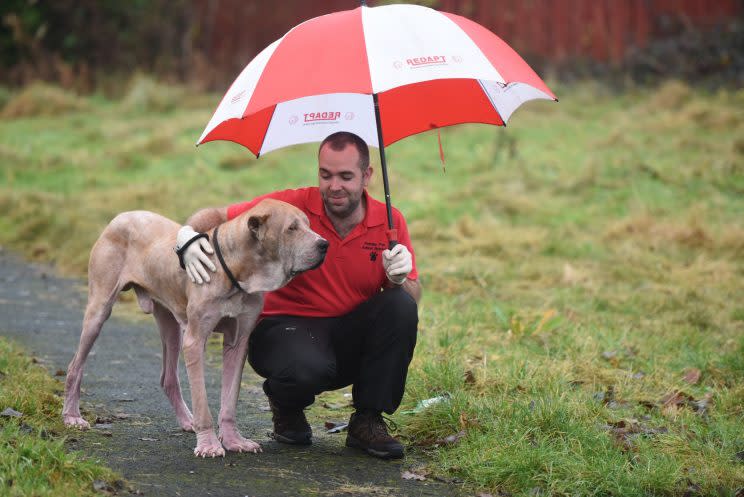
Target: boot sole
292,441
382,454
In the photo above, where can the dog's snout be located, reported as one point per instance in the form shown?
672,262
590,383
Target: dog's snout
323,245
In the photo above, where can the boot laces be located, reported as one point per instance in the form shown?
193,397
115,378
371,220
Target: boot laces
378,425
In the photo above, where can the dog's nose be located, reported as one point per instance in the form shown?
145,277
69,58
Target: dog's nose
323,245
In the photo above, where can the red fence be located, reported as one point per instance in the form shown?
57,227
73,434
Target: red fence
231,32
601,30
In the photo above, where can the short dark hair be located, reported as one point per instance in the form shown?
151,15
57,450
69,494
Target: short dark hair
339,140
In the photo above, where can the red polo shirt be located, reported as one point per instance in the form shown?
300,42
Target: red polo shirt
352,271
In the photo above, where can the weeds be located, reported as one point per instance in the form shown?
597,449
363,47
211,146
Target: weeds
33,459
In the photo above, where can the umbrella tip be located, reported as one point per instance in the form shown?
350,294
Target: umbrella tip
363,3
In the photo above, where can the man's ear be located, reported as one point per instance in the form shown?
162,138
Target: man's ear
257,225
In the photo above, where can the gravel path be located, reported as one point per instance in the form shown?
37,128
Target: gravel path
138,435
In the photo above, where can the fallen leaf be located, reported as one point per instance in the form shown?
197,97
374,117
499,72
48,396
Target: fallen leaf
466,422
11,413
626,431
692,376
452,439
701,406
469,377
408,475
607,396
102,486
103,420
674,400
334,427
148,439
121,415
550,313
60,372
334,406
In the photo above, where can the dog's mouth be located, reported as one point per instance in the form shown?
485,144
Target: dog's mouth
295,272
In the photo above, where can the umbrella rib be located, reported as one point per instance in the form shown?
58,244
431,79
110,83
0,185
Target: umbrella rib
493,104
263,138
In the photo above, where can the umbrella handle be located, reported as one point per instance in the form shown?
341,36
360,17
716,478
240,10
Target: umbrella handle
392,235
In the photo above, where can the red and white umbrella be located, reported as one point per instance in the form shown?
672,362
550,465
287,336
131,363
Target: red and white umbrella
383,73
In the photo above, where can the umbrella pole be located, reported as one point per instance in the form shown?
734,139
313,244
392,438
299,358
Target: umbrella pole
392,233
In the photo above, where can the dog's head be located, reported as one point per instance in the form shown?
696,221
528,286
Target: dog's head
281,243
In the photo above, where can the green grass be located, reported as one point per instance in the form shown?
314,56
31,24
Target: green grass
33,459
575,266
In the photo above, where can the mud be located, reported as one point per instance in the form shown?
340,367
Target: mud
137,434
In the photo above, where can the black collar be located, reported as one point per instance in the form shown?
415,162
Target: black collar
222,261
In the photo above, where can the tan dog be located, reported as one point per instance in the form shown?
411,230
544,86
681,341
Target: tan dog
263,248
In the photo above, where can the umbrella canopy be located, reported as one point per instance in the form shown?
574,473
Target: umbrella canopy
383,73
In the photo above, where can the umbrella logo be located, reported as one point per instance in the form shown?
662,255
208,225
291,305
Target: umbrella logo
293,120
397,64
349,116
236,98
457,58
428,60
320,117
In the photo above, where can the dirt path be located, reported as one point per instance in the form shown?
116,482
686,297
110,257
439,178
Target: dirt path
139,436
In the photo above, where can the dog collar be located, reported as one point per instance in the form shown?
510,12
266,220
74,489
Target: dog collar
222,261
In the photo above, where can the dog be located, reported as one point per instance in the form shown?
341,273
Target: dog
263,249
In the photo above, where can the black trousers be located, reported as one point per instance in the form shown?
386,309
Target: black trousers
369,348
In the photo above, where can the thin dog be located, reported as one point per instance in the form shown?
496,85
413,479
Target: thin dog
261,250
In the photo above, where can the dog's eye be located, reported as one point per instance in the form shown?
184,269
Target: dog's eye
293,227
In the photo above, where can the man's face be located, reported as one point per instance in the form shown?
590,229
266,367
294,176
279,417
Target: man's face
341,180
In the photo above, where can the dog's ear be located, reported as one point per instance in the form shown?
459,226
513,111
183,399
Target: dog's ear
257,225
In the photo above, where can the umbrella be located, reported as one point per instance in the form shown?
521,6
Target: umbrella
383,73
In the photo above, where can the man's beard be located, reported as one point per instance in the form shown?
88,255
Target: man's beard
341,212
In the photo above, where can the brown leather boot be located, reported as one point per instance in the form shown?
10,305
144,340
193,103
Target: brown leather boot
290,425
367,431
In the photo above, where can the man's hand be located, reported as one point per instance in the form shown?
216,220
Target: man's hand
195,258
397,263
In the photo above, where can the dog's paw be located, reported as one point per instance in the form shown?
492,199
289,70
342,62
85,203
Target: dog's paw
186,425
234,442
208,445
76,422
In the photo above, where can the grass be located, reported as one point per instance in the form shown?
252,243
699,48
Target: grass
33,459
576,266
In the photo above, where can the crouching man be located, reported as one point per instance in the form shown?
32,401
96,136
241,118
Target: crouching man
352,321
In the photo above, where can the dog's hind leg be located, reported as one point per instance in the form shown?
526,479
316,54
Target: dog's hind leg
103,287
234,352
170,335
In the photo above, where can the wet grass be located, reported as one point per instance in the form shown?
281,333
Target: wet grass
582,270
33,459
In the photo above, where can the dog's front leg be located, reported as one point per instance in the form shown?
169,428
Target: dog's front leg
194,343
234,352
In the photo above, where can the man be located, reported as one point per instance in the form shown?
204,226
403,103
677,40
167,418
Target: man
333,326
